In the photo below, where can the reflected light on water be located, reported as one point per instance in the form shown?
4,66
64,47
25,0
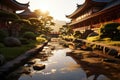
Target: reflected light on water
57,67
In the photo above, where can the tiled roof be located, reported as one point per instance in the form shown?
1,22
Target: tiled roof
14,4
102,0
112,4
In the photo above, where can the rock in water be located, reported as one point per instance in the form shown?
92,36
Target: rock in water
102,77
39,67
91,77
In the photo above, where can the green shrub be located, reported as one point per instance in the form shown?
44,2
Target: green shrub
2,45
3,34
110,30
40,39
29,35
24,40
77,34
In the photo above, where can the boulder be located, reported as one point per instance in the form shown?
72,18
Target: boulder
102,77
30,63
39,67
12,42
26,71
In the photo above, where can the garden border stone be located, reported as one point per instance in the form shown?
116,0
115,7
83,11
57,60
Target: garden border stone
12,65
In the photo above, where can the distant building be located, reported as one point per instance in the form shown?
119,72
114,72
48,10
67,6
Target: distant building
54,34
9,7
27,14
93,13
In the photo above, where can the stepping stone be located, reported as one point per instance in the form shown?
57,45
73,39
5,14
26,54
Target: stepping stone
31,62
26,71
102,77
39,67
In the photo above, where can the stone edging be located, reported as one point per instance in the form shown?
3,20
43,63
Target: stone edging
19,61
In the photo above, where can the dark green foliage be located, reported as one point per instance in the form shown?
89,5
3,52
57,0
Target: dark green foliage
86,33
1,45
24,40
77,34
29,35
3,34
110,30
6,15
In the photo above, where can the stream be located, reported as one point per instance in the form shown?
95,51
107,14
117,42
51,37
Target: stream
58,66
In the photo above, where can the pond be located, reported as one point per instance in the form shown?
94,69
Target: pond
58,66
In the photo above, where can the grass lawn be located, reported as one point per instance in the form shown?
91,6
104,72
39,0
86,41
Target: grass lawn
12,52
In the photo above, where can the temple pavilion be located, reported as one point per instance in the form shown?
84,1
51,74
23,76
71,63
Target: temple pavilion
10,7
93,13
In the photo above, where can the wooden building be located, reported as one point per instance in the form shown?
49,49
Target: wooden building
93,13
12,6
27,14
9,7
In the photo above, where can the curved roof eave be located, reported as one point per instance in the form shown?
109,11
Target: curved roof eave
20,6
15,4
106,10
79,8
86,5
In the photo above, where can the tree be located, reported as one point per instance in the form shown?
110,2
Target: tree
45,21
66,30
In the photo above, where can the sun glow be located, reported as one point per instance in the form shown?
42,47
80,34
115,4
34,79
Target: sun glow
42,5
57,8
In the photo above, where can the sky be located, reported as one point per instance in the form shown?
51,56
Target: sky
57,8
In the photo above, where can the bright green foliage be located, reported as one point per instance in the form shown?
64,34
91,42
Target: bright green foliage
93,38
110,30
41,39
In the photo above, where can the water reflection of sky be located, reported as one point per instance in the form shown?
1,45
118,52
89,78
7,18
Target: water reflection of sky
58,67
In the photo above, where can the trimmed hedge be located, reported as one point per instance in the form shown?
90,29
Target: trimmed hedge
29,35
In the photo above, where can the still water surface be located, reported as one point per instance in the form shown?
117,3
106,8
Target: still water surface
58,66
